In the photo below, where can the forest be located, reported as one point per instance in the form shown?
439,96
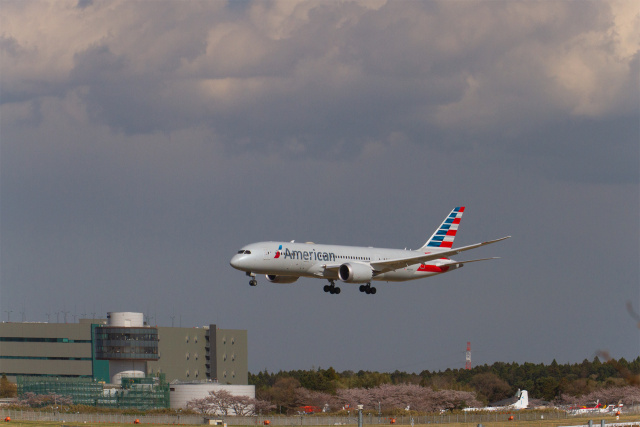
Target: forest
557,383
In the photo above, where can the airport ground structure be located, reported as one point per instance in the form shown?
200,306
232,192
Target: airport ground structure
100,361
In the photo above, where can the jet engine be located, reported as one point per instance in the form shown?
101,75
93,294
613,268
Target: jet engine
355,273
281,279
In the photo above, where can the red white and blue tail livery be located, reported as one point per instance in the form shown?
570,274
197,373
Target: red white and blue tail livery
286,262
443,237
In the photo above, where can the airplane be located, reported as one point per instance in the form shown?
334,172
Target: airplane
286,262
522,402
597,408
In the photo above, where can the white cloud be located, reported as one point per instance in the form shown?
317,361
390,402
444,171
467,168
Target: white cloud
322,73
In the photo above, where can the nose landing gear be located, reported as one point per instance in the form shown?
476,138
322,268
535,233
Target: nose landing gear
253,281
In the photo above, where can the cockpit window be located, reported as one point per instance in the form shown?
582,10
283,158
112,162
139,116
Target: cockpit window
242,251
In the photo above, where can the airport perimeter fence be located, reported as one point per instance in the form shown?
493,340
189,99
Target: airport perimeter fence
69,418
300,420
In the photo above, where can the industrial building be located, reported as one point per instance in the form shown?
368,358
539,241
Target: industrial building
106,350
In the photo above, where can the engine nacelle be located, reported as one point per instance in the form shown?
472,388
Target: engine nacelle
281,279
355,273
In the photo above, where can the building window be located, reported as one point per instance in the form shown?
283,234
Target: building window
126,343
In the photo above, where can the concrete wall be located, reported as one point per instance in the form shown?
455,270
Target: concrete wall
71,331
69,354
182,354
231,362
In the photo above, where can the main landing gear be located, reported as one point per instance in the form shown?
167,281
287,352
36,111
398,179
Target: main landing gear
253,281
368,289
332,288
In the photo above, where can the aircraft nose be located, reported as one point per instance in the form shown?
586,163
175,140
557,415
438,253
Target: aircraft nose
236,261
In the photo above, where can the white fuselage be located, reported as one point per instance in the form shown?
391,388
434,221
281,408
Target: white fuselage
285,262
311,260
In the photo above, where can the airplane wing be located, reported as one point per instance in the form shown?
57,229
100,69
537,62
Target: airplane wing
394,264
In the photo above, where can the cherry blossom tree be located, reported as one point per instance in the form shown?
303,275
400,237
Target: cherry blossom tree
242,405
222,402
201,406
40,400
305,397
610,395
262,406
407,396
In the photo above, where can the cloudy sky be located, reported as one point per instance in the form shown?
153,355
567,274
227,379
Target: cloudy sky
143,143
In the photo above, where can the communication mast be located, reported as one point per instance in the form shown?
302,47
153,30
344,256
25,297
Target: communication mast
468,364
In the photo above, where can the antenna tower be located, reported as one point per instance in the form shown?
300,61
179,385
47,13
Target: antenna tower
468,364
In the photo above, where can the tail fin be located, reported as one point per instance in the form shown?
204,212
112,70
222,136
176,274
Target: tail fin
523,400
444,235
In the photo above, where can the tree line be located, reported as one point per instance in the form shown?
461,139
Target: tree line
489,383
291,392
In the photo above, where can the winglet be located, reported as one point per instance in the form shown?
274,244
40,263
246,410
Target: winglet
444,235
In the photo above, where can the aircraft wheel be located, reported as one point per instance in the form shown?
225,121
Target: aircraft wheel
327,288
367,291
337,290
373,291
253,282
362,288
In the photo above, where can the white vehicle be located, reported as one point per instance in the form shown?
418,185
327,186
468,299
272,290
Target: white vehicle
286,262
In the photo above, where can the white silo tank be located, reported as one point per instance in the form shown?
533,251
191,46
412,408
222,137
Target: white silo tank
125,319
126,368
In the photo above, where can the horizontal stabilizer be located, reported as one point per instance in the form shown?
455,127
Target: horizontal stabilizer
394,264
449,262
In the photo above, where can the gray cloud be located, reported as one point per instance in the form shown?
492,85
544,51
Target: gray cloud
143,143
